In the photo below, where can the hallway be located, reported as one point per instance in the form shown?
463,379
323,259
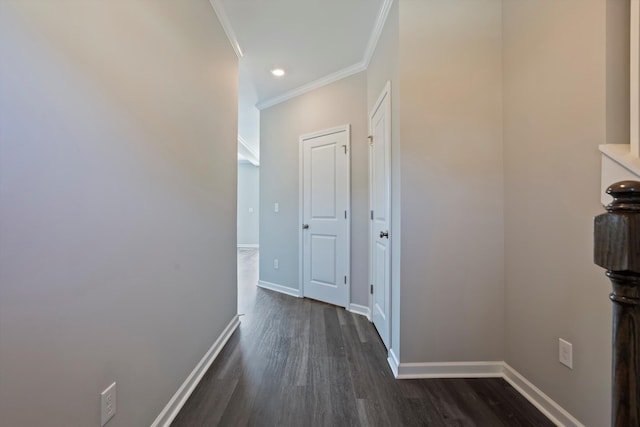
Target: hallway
298,362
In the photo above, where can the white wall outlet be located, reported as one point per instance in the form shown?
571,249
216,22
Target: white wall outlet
276,207
108,404
566,353
250,210
276,264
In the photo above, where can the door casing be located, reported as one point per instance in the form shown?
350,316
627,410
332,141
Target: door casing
385,97
303,138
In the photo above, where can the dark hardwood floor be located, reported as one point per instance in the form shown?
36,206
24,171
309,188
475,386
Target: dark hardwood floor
298,362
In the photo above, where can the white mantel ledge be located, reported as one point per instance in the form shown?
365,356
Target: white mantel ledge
618,164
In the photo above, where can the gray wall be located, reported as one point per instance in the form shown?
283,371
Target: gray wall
452,289
382,68
560,102
503,105
340,103
248,199
117,204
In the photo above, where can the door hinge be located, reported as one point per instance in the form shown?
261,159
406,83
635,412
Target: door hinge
345,214
371,290
345,148
370,137
371,215
345,280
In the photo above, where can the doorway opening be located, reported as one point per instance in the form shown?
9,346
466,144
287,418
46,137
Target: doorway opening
325,218
248,232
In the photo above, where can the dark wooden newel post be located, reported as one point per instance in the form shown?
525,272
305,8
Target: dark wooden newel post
617,248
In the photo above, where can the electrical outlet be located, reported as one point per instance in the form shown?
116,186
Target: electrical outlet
250,210
276,207
276,264
565,353
108,404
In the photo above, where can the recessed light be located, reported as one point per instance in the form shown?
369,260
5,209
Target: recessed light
278,72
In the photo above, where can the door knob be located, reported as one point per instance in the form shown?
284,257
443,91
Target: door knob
384,234
305,226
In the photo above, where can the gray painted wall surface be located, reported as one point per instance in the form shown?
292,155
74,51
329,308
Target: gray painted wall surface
248,199
452,181
382,68
560,103
340,103
117,204
617,56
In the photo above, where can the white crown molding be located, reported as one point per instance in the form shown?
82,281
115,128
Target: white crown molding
248,152
377,31
226,25
328,79
383,13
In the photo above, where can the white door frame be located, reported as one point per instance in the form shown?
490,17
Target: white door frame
384,95
303,138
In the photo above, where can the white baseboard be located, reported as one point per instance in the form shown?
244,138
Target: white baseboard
552,410
450,370
248,246
392,360
556,413
360,309
180,397
279,288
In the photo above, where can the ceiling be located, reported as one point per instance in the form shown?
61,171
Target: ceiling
314,41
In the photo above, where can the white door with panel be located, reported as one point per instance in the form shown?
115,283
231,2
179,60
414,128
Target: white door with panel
325,219
380,199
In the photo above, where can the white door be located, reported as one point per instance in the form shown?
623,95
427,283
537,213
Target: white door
380,184
325,219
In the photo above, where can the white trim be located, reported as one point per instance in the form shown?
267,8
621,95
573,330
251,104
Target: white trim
498,369
300,217
384,95
386,91
178,400
363,310
392,360
621,154
634,83
450,370
323,81
226,25
306,137
248,152
617,164
383,13
325,132
556,413
248,246
279,288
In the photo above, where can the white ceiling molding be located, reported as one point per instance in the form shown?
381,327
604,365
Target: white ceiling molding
334,77
383,13
226,25
377,31
248,153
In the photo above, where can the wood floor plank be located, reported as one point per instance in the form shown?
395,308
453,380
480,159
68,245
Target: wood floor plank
318,410
343,402
297,362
